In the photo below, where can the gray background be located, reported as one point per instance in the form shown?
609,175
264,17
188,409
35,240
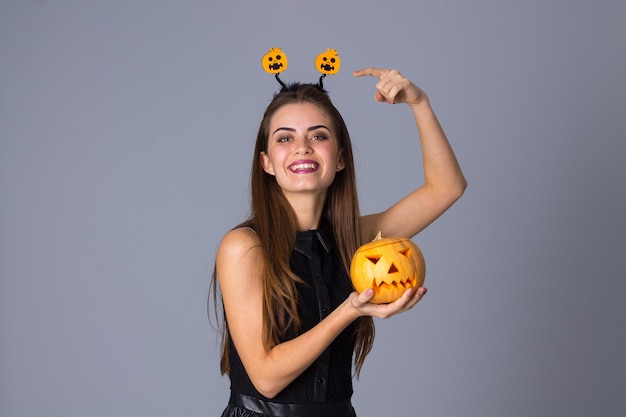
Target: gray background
126,133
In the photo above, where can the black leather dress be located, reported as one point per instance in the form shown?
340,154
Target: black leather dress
325,388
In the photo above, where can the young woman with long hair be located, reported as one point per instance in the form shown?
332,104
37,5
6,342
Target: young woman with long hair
294,331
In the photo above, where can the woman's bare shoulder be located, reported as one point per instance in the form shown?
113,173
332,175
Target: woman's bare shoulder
238,245
239,241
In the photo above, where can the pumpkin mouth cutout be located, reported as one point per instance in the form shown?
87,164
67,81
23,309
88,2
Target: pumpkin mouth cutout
401,285
275,66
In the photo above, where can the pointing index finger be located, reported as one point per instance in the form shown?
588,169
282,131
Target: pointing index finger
374,72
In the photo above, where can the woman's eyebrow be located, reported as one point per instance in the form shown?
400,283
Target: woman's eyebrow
288,129
291,129
317,127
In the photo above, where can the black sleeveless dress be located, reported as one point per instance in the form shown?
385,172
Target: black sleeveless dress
325,388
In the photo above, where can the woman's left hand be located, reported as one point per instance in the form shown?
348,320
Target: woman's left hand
406,302
393,87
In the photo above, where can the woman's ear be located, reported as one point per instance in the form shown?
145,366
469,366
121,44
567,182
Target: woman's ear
340,163
266,163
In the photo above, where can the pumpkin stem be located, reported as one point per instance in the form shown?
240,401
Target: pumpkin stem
379,236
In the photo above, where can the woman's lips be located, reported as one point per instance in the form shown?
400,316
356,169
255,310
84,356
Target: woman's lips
304,166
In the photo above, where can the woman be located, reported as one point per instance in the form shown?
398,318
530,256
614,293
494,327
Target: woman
292,320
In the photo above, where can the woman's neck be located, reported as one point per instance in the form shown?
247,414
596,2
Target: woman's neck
308,209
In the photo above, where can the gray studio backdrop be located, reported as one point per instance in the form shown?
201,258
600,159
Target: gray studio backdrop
126,133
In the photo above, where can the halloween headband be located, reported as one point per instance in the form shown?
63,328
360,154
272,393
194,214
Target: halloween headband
275,62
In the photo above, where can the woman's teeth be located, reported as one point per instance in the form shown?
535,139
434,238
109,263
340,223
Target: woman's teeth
303,166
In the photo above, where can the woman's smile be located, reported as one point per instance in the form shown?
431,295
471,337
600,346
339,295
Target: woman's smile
304,166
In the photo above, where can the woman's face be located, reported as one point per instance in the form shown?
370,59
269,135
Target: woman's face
303,150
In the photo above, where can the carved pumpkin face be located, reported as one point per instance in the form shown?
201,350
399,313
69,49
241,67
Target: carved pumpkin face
275,61
328,62
389,266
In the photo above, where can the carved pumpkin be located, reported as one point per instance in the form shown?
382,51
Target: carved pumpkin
328,62
389,266
275,61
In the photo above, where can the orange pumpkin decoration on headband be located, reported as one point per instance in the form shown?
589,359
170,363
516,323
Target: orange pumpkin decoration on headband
328,62
275,61
389,266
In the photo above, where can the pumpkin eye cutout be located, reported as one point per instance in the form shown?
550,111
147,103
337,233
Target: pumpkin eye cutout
373,259
389,266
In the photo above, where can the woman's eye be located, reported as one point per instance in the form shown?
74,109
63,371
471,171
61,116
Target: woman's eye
319,137
283,139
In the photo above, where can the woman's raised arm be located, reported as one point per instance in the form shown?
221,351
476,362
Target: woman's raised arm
444,182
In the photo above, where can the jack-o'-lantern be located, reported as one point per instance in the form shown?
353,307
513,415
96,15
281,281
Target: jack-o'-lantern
328,62
389,266
275,61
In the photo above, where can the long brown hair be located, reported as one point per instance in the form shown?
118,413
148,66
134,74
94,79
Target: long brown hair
274,221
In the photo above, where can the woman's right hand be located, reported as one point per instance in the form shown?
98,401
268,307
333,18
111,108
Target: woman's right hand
360,303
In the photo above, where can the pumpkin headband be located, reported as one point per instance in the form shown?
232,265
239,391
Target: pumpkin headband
275,62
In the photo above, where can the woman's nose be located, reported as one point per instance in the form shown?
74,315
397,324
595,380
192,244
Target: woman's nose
303,147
